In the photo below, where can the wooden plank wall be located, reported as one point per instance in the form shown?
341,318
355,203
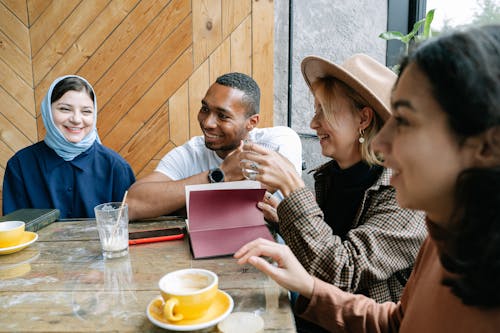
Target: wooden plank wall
150,62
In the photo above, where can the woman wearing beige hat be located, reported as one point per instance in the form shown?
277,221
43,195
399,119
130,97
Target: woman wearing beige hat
352,234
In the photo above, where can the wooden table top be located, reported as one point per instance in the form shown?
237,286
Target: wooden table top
61,283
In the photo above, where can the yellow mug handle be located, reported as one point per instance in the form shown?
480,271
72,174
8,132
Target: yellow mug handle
168,310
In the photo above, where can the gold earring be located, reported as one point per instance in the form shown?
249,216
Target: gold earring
361,138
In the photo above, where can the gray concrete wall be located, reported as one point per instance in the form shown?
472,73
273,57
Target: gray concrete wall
333,29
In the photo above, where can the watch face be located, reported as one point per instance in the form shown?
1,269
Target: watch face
217,175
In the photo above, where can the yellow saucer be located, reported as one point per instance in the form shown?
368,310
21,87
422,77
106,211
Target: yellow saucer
27,239
19,268
219,310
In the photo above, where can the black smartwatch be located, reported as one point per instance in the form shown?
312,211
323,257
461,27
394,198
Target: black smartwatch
216,175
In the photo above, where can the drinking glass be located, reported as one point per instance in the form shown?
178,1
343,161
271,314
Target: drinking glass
112,225
251,173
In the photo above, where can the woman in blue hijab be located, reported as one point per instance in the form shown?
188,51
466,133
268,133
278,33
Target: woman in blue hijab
70,170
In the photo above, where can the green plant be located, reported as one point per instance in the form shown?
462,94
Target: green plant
415,34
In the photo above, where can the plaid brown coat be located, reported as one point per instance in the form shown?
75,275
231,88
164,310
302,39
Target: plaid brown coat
378,253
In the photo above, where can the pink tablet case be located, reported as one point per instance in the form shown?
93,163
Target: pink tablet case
221,221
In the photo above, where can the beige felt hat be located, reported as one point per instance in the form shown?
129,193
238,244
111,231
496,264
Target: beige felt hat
369,78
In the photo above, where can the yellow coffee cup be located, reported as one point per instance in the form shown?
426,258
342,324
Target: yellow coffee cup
11,233
188,293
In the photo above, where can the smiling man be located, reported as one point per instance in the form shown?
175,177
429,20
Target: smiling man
229,113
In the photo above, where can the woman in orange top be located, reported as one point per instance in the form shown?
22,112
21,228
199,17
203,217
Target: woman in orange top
443,144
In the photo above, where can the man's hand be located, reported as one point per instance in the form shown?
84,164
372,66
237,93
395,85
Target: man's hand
231,166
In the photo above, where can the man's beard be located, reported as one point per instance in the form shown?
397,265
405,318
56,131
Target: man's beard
223,148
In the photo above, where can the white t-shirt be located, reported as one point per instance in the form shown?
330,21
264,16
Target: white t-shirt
193,157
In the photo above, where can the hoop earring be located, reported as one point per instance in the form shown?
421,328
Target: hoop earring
361,138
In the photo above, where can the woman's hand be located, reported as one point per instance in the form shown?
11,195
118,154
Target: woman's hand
274,170
268,206
287,271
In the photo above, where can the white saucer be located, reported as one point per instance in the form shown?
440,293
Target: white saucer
28,239
219,310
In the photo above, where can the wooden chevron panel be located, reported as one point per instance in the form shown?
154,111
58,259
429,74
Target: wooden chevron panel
150,62
17,115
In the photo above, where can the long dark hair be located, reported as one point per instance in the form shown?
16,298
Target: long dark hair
463,68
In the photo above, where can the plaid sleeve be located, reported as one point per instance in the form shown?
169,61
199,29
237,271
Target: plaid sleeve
385,240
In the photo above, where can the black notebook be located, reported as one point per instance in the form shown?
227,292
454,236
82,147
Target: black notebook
34,218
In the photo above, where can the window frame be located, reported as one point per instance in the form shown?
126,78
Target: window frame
401,16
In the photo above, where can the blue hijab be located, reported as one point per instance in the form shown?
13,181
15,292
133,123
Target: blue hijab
54,138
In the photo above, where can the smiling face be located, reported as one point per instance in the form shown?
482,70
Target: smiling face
223,119
338,131
418,144
73,115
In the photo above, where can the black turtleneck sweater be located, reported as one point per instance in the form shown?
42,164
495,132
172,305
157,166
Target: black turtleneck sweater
343,193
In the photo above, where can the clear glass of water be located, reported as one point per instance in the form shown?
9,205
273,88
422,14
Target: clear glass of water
112,225
251,173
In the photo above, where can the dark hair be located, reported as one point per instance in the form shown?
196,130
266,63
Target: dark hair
70,83
463,68
243,82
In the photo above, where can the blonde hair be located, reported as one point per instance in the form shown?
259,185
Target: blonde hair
332,89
